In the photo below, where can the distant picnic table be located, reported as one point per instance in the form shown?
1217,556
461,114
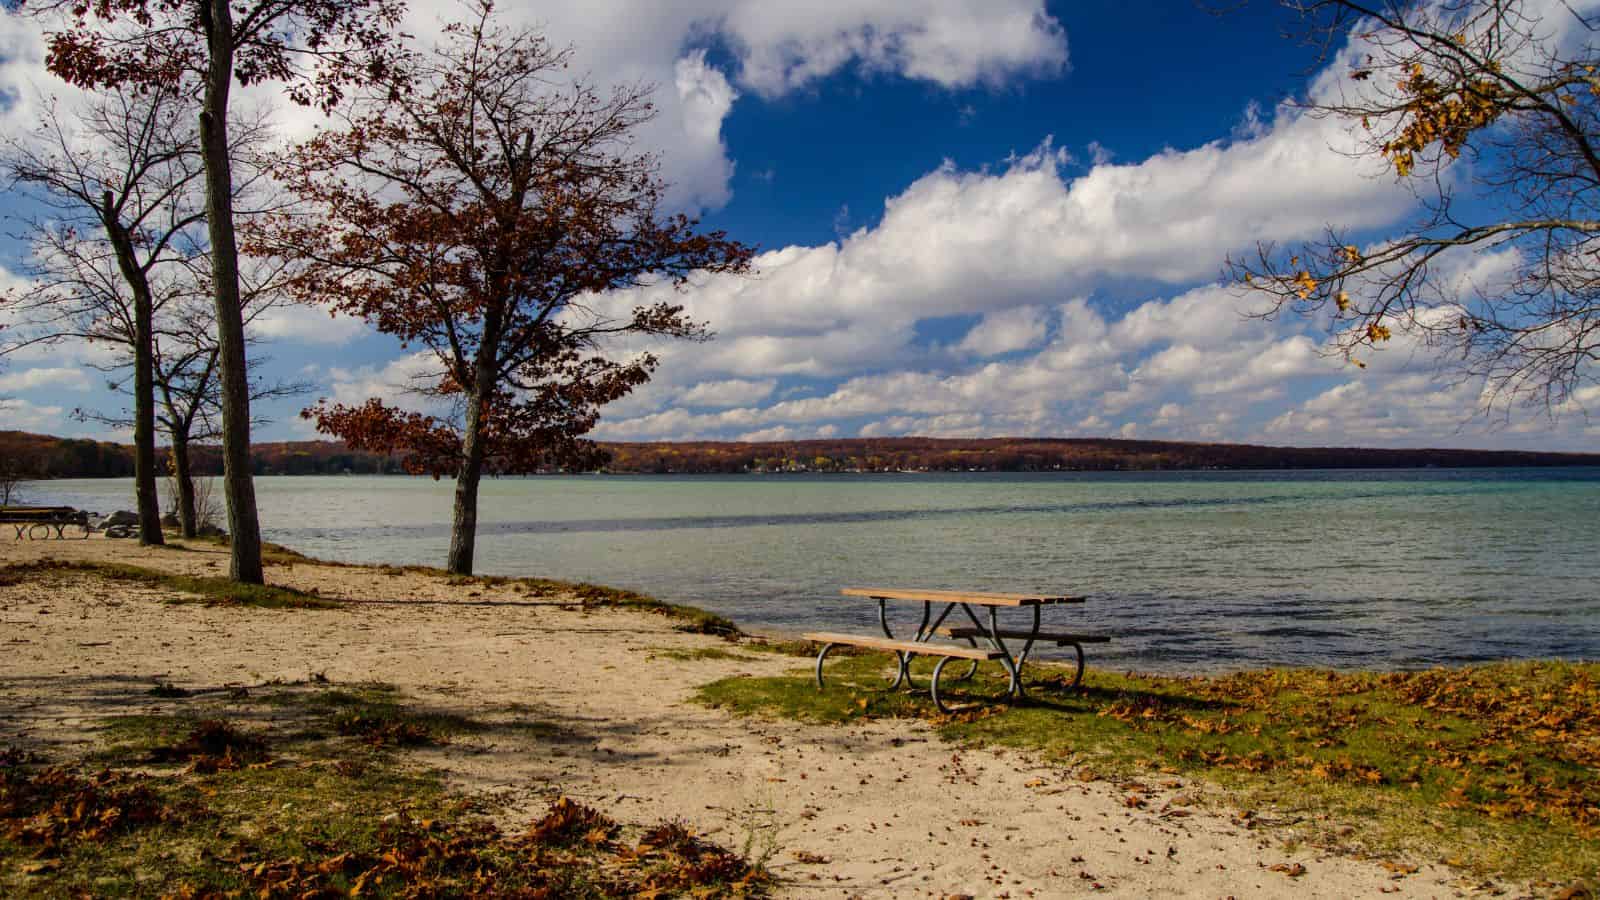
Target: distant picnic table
993,637
44,522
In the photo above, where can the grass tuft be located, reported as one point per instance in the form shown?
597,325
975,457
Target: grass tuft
691,619
697,654
213,745
212,590
271,554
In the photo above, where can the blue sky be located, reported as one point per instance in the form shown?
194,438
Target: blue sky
976,218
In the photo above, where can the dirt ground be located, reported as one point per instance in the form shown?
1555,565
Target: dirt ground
880,809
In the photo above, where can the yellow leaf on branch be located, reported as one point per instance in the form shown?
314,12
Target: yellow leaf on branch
1304,284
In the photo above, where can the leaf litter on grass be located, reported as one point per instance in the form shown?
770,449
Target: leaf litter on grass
337,815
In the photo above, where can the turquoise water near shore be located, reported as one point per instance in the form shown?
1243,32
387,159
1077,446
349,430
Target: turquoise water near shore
1193,571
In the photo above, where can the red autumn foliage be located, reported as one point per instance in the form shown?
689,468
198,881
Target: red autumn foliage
480,203
115,42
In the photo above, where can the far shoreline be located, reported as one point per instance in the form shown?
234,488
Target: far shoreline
77,457
800,475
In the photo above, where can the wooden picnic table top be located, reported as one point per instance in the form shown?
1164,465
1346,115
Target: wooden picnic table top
39,513
976,598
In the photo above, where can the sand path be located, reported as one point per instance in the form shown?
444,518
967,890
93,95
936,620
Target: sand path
892,809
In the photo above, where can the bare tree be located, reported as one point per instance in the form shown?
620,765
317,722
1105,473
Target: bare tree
1490,113
120,179
184,370
11,478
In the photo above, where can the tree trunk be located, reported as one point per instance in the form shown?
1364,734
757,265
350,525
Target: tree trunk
464,527
184,476
144,423
244,530
146,499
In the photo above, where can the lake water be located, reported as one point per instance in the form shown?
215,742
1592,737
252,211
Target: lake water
1192,571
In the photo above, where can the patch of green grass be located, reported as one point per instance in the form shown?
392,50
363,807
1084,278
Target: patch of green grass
271,554
374,712
298,808
697,654
803,648
127,739
1495,768
208,589
692,619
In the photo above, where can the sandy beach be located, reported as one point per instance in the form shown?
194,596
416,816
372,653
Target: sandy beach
877,809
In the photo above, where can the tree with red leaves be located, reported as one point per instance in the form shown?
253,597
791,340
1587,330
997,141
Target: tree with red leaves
315,47
483,205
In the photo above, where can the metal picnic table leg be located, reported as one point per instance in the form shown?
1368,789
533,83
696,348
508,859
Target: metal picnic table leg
933,686
1027,647
1077,679
822,655
902,674
1014,686
1012,662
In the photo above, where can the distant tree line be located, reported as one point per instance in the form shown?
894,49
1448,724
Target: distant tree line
915,454
38,456
43,456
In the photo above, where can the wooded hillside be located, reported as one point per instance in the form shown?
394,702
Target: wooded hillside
52,457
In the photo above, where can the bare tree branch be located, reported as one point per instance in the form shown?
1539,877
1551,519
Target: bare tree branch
1510,293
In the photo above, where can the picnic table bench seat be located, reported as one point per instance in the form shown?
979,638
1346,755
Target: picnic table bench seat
1059,638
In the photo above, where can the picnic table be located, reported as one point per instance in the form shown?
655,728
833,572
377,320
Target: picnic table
993,637
39,522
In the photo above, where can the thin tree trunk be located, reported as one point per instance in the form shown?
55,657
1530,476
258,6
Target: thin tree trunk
147,501
184,476
144,424
244,529
464,527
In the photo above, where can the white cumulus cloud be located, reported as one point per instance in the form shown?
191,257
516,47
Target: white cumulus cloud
61,378
307,325
732,392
